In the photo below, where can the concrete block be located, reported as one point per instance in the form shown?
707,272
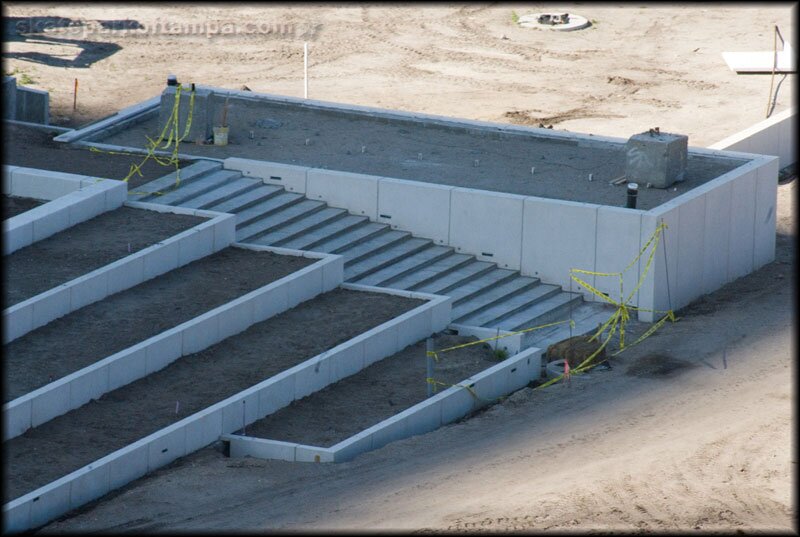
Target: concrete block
42,184
742,225
33,105
125,273
160,258
358,193
654,292
204,428
17,321
200,333
128,464
618,233
388,431
487,225
489,384
16,516
236,317
421,208
380,342
549,225
87,289
332,273
233,415
166,445
51,401
278,393
766,210
224,232
52,222
195,243
271,301
691,231
313,377
9,97
345,360
91,483
426,417
313,454
127,366
441,314
51,305
163,349
51,501
16,418
261,448
659,159
787,140
303,285
17,236
352,447
292,178
716,238
87,384
413,326
5,179
250,403
116,195
84,208
456,403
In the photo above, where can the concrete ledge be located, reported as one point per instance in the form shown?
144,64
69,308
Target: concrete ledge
510,344
445,407
194,243
136,111
74,199
776,135
128,365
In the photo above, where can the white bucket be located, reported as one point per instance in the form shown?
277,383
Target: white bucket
220,135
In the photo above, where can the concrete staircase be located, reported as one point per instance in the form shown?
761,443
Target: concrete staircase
483,294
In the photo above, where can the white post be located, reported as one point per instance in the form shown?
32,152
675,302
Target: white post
305,70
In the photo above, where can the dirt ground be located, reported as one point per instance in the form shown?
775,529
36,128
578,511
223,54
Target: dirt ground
85,247
35,148
709,447
14,205
373,394
191,384
119,321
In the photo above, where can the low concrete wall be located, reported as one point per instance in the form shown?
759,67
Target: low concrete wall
125,117
75,199
176,251
445,407
155,353
25,104
202,428
776,135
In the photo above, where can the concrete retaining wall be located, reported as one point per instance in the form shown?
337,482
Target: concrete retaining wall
202,428
445,407
125,117
25,104
138,361
75,199
176,251
773,136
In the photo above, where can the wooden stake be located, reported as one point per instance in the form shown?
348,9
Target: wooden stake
75,96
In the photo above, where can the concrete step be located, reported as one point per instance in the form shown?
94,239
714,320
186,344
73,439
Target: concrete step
502,290
481,284
587,317
225,192
355,235
187,174
207,183
429,272
509,305
301,227
411,263
384,257
337,227
374,244
278,219
454,278
282,200
247,199
555,308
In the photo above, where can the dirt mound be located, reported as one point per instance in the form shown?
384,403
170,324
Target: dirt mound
575,350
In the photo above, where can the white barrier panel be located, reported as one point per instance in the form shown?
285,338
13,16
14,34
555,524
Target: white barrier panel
128,365
356,192
766,210
487,225
185,247
421,208
558,236
618,244
510,344
776,135
292,178
202,428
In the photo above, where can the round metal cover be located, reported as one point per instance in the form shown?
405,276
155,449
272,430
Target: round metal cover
561,21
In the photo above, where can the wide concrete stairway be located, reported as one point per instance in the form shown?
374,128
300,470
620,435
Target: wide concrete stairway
484,295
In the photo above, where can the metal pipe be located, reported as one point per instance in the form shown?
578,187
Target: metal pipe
633,191
429,364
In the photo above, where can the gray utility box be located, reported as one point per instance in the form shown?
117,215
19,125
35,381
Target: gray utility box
658,158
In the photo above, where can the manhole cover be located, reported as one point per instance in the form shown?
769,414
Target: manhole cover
564,22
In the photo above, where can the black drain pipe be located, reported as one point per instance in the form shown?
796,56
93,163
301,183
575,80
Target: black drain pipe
633,191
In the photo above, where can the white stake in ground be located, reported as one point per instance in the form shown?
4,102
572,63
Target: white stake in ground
305,70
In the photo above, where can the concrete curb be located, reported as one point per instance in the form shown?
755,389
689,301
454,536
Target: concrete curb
445,407
138,361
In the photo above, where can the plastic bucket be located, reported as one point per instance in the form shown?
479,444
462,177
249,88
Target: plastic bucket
220,135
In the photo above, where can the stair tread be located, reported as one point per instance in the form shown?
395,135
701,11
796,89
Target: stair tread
438,285
220,194
355,252
431,271
418,259
489,296
350,237
508,305
236,203
463,292
299,226
187,173
274,203
328,230
188,190
277,218
399,249
531,316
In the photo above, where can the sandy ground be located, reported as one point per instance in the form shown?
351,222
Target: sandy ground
706,447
